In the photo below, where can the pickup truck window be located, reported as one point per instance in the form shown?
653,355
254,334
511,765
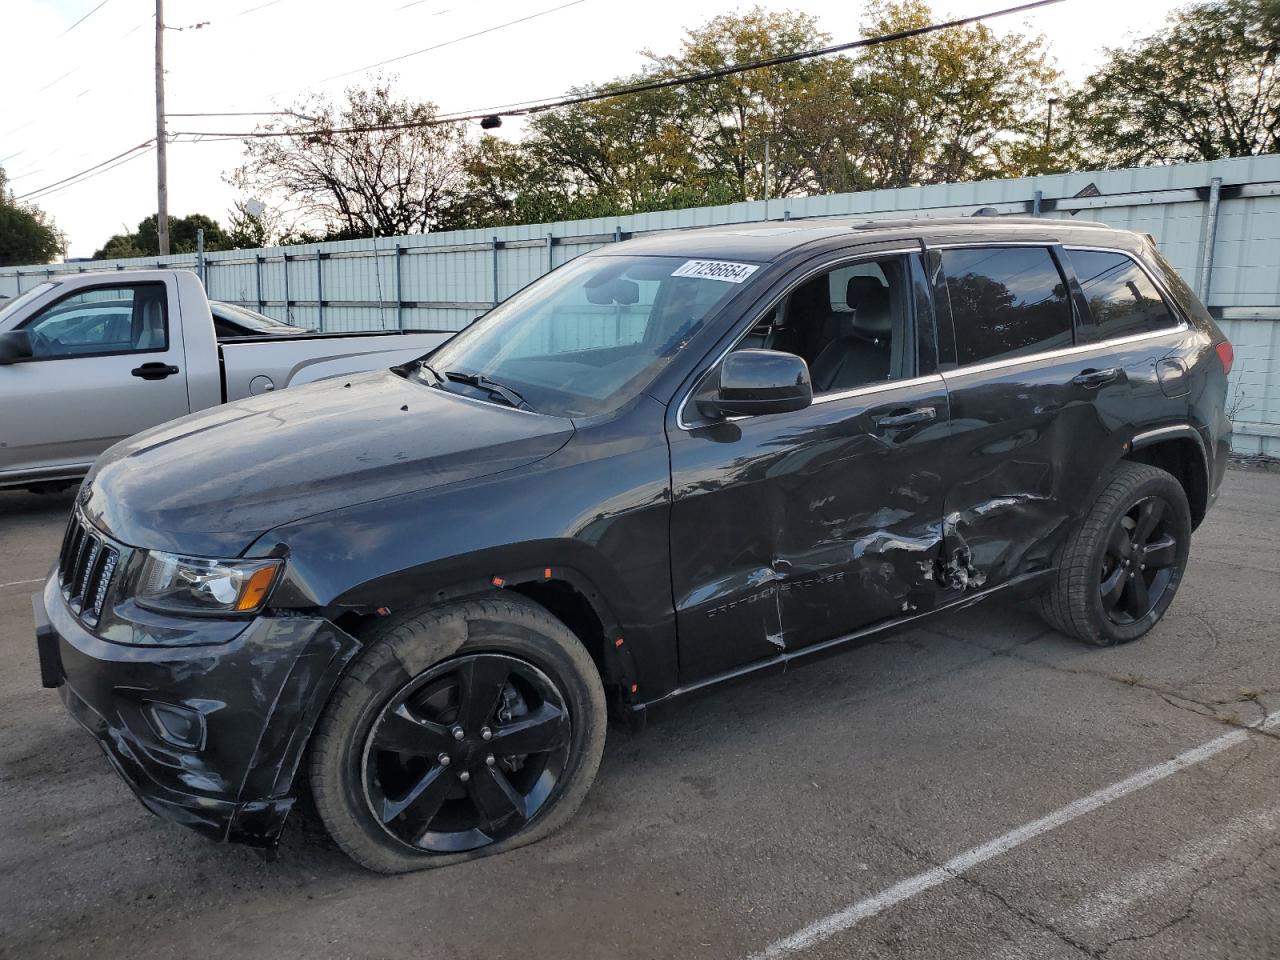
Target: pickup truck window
1006,302
17,303
591,335
230,321
1122,298
130,318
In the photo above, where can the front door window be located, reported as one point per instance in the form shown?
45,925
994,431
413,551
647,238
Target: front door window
102,321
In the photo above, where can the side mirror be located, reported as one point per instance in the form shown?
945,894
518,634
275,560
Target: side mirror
15,346
754,382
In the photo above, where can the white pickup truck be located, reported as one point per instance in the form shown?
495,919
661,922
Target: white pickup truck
90,359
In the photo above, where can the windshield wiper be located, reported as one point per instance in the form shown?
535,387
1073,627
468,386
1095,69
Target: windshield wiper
424,367
480,381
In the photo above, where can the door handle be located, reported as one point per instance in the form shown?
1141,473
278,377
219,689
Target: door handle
907,418
154,371
1096,378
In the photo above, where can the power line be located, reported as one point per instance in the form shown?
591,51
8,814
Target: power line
99,173
244,113
58,80
75,183
254,9
446,43
643,87
84,18
107,169
50,186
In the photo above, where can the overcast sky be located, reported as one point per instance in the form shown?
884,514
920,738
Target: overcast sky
76,95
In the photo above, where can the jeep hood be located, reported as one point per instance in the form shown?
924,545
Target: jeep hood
211,483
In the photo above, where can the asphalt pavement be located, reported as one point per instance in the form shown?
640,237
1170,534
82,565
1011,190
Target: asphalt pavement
978,788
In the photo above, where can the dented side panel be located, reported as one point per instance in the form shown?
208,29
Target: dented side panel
861,527
791,530
1028,446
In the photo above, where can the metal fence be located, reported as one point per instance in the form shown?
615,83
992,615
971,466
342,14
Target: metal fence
1219,223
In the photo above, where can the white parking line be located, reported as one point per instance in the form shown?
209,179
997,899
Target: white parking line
1110,905
851,916
21,583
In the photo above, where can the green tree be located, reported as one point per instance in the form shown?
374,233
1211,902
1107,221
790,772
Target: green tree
959,104
725,123
27,235
145,241
248,231
1204,87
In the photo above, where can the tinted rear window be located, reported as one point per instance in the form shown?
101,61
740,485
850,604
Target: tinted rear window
1006,302
1122,298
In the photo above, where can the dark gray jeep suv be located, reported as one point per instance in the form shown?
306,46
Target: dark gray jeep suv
417,594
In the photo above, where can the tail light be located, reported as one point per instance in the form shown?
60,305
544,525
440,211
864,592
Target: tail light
1226,354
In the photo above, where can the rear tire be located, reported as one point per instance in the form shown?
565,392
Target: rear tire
1122,564
416,762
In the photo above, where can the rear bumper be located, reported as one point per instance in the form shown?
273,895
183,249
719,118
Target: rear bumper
209,736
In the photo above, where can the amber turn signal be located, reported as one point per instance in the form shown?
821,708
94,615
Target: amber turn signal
256,589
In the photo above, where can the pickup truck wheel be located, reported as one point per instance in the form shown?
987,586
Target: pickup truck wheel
460,731
1122,565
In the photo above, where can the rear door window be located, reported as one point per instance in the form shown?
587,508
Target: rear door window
1121,296
1006,302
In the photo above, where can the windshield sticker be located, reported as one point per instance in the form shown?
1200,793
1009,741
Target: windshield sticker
716,270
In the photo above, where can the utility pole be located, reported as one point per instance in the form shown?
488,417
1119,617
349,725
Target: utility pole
162,165
765,185
1048,125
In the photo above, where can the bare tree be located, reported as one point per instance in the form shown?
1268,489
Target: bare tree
353,184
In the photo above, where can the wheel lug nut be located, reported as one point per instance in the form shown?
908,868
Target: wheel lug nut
458,733
464,776
486,733
489,761
444,759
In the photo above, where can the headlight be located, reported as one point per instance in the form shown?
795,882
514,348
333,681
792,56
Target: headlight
193,585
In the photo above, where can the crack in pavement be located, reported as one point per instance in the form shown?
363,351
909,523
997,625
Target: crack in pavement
1190,908
1054,925
1165,692
1235,566
1024,915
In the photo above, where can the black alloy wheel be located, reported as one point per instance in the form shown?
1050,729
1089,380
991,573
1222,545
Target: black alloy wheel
1122,562
399,765
467,753
1140,562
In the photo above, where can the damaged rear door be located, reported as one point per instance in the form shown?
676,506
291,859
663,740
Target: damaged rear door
1029,437
793,529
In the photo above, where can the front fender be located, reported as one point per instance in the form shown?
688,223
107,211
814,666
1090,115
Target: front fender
596,512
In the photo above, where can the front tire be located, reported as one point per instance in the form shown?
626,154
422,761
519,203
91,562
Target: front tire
460,731
1122,564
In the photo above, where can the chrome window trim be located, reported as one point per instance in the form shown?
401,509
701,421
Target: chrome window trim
882,386
993,243
1020,361
1064,352
821,398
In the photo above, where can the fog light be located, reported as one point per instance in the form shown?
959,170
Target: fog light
181,726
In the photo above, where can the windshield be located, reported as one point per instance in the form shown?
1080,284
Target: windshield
254,322
586,338
17,303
